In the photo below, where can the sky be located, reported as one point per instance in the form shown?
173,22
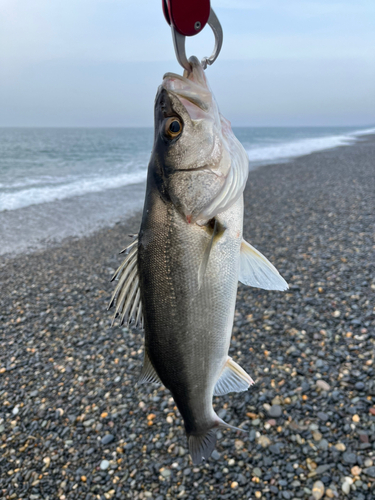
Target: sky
99,62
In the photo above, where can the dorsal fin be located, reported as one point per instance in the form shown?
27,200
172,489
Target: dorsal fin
127,294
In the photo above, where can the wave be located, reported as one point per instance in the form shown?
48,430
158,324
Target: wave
33,181
24,193
35,196
300,147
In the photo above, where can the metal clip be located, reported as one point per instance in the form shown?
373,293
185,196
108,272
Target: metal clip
179,43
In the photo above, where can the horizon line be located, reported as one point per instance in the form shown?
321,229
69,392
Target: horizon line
371,125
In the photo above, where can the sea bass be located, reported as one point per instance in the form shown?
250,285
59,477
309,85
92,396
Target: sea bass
180,276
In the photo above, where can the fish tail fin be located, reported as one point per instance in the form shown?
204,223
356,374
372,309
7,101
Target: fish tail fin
202,445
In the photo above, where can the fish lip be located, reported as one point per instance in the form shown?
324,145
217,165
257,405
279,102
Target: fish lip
175,75
200,104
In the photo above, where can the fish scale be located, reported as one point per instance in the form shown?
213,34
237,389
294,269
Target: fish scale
189,334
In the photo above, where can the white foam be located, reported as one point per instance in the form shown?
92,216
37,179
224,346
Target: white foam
299,147
33,181
35,196
366,131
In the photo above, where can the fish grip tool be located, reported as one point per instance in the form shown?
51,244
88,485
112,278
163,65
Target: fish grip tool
188,18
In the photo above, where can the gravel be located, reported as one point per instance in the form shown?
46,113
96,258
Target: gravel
74,424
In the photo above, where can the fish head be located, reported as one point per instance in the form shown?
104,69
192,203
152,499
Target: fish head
192,145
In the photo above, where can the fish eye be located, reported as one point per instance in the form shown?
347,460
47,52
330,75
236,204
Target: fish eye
173,127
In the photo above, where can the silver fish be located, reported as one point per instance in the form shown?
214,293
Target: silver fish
180,277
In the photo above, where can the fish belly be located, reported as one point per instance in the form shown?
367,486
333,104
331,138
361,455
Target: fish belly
188,322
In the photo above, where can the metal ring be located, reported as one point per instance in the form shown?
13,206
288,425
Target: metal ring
179,43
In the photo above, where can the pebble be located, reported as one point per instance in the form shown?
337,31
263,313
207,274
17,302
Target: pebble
356,471
318,490
349,458
275,411
275,448
257,472
323,445
348,481
323,385
165,472
317,436
108,438
238,444
321,469
242,479
264,441
104,464
340,447
370,471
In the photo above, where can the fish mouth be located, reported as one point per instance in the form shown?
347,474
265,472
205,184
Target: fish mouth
187,90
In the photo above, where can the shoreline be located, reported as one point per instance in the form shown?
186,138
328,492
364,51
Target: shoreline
45,244
75,425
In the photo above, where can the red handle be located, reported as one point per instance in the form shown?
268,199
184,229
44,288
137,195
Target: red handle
188,17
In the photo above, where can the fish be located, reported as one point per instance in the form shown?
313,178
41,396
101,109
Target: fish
180,276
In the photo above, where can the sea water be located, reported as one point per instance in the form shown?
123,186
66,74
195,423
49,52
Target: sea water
64,182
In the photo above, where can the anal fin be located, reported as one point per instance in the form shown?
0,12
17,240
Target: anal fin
148,373
233,379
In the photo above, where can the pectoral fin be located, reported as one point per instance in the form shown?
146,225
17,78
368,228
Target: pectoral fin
216,230
206,255
233,379
148,373
257,271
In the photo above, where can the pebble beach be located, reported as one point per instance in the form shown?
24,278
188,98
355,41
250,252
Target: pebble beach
75,425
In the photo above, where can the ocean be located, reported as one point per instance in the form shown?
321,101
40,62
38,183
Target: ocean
56,183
